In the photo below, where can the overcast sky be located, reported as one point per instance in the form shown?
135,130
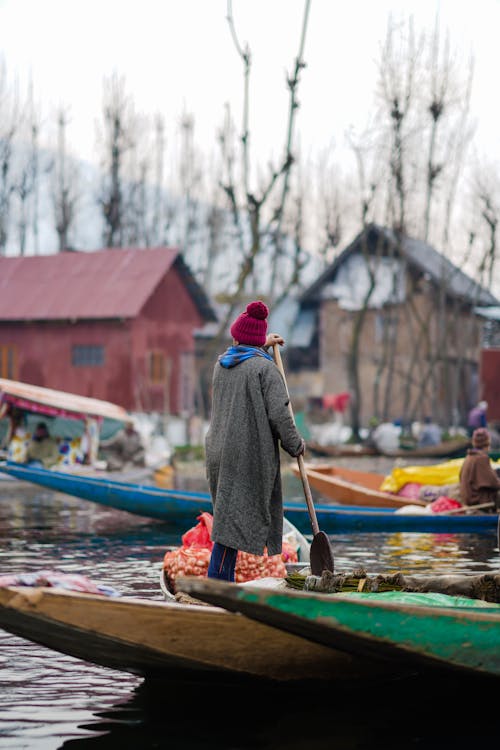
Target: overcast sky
178,54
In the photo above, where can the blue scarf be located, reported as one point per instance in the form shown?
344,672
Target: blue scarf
236,354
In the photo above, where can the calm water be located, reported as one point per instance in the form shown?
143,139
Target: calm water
48,700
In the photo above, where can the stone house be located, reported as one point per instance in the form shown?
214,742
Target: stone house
392,321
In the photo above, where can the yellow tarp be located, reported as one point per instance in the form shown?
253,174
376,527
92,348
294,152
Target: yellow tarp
438,474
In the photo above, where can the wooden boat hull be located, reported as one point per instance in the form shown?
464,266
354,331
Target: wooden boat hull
341,451
179,508
169,640
342,520
352,487
136,476
449,449
420,636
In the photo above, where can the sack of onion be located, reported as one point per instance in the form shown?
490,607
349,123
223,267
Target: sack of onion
193,557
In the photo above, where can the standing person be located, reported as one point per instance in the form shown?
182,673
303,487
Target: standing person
477,417
479,483
249,420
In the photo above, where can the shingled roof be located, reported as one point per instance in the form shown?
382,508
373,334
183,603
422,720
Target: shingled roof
111,283
420,255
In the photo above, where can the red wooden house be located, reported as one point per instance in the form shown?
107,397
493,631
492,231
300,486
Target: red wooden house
113,324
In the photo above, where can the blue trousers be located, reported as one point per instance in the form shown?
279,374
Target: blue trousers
222,562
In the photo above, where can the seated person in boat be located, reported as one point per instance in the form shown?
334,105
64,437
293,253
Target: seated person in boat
479,483
43,449
430,434
250,420
17,438
125,449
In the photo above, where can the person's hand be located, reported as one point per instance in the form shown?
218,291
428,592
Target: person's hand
302,449
274,338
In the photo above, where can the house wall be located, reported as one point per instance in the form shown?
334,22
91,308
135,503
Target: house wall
44,356
490,382
410,354
165,325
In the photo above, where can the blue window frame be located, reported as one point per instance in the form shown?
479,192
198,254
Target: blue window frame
87,355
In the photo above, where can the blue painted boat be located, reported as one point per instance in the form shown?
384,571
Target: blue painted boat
179,507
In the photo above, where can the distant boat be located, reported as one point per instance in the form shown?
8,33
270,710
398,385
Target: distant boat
454,448
23,398
352,487
447,449
356,450
447,638
180,508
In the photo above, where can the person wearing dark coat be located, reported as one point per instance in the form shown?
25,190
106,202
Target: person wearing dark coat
479,483
249,421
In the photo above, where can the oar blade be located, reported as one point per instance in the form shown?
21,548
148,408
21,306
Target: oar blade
321,554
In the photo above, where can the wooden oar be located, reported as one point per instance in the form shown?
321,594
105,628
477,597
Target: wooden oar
321,553
469,508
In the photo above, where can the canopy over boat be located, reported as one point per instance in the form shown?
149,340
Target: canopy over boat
52,403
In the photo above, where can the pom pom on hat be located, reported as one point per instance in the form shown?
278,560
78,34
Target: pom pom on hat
250,327
480,438
257,310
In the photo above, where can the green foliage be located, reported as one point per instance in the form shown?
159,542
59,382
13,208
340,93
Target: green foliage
189,453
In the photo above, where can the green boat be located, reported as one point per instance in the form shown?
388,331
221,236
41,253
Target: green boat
426,632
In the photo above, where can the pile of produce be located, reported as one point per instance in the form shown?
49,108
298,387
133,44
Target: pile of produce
193,557
485,586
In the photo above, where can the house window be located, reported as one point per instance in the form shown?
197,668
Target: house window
386,328
87,356
157,367
8,362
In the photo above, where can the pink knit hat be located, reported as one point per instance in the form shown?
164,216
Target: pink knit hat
251,326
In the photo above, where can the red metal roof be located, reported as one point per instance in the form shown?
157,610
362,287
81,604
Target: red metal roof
112,283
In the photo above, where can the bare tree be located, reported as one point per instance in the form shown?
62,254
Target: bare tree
398,73
65,185
423,102
137,192
158,221
490,214
118,123
27,174
367,192
248,206
330,207
9,124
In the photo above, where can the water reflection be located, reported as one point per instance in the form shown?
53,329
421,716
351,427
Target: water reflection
441,553
357,716
48,700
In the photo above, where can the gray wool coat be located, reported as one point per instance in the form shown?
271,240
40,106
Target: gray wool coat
249,421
